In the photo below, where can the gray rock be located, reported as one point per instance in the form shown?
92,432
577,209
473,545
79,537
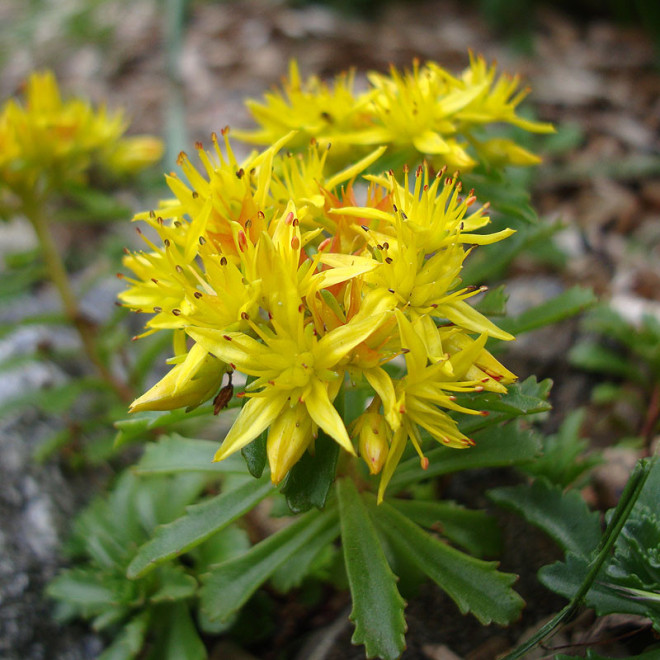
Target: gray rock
36,505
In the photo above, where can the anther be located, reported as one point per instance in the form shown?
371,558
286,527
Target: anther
227,337
202,240
223,261
388,260
197,294
245,316
158,310
176,312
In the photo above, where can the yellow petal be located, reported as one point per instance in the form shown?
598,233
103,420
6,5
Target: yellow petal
323,413
255,417
430,142
288,438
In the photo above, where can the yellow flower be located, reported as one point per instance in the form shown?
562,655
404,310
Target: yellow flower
311,108
299,307
422,112
49,141
297,377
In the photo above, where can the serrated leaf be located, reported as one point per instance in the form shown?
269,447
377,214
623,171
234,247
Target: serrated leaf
230,585
128,642
567,304
174,453
175,584
377,605
255,455
475,585
475,531
563,461
498,447
527,398
565,517
292,572
565,578
310,479
198,524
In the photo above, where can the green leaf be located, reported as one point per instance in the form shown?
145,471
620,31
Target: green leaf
592,356
226,544
527,398
93,206
475,585
506,197
82,588
293,571
563,460
593,655
564,306
255,455
177,638
498,447
129,641
230,585
174,453
175,584
138,424
565,517
565,578
198,524
475,531
377,605
309,480
493,303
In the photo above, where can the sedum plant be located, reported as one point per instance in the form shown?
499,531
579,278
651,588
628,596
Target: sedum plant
314,293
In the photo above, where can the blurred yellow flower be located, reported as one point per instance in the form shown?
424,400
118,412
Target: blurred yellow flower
48,142
424,112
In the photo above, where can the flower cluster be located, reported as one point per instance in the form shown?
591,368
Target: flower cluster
46,142
271,267
423,113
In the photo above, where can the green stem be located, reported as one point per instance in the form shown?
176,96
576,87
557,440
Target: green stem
627,501
34,212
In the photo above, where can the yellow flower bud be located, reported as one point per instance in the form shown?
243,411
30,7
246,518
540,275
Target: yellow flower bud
135,153
374,440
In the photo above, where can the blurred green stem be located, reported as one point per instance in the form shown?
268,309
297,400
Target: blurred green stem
33,208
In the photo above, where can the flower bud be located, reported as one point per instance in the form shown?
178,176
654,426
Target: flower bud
374,440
